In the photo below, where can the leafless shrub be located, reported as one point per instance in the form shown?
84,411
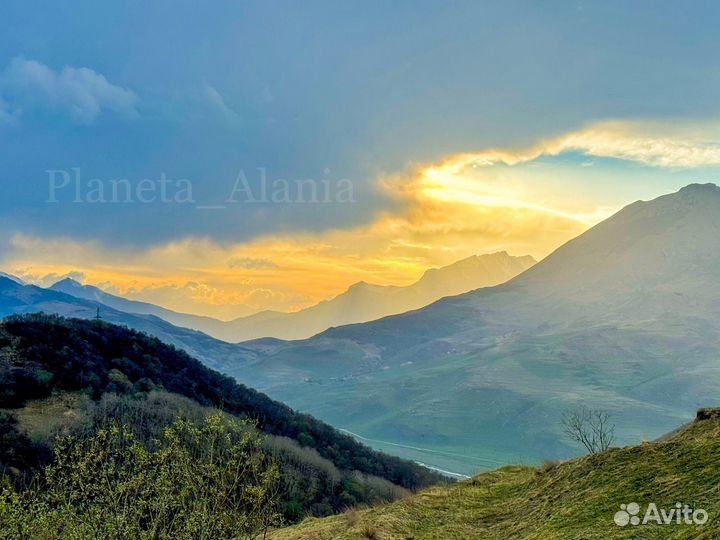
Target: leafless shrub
589,427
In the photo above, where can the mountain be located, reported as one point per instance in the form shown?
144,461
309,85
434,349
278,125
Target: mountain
360,303
13,278
364,302
16,298
622,318
80,374
465,275
207,325
576,499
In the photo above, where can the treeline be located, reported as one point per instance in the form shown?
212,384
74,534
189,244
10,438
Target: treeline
127,376
308,483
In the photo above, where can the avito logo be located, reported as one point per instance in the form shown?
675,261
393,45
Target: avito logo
629,514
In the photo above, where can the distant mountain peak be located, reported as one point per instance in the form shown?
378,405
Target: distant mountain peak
708,187
365,286
12,278
67,282
499,257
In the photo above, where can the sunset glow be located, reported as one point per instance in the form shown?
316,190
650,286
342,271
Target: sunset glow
466,204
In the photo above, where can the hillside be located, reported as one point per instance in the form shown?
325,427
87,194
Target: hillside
11,277
47,357
19,298
69,286
622,318
575,499
360,303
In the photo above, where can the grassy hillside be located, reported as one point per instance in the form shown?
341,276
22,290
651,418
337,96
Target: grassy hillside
575,499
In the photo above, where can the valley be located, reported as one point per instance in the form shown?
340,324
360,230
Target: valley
621,318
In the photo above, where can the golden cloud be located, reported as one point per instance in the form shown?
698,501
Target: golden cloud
466,204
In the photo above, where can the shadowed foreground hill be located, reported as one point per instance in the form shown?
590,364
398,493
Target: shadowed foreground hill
46,359
575,499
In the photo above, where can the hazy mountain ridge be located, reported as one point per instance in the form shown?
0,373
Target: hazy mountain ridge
623,317
11,277
16,298
362,301
95,294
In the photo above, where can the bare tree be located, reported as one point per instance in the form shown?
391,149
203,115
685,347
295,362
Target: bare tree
590,427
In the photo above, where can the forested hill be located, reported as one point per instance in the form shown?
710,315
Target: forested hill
42,354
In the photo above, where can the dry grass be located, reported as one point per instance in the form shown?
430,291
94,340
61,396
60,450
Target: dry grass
44,419
574,499
369,532
351,517
548,465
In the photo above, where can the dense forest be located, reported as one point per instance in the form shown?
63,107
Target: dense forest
111,377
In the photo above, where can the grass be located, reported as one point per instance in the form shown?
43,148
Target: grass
497,403
43,419
574,499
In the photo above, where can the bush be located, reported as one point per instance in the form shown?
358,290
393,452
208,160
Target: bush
16,450
210,480
41,354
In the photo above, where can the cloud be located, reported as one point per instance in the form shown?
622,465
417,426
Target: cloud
80,92
658,144
49,279
217,101
6,115
479,202
249,263
244,298
651,143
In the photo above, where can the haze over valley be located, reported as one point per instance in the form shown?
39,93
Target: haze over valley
602,321
361,270
360,303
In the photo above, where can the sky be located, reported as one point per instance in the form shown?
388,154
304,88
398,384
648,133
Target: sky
229,157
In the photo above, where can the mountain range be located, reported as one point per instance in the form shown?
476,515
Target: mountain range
362,302
12,278
622,318
18,298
